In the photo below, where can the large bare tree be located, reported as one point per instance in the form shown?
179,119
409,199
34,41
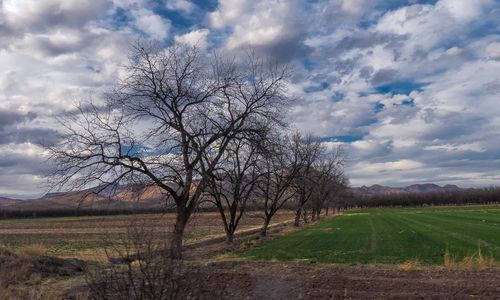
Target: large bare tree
168,122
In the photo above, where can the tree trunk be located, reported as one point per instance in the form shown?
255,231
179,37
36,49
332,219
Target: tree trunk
263,230
304,213
297,218
318,215
313,215
178,235
327,208
229,237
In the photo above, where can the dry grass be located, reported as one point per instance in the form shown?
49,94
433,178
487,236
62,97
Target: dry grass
31,250
409,266
476,260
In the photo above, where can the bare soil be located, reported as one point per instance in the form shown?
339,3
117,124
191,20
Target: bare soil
85,237
275,280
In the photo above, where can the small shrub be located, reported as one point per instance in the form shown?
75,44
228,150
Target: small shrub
145,271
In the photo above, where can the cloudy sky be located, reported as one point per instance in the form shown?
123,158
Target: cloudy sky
411,88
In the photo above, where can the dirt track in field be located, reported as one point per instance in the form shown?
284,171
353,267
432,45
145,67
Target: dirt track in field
273,280
84,237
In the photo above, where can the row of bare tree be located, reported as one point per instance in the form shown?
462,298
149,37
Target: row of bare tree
198,127
287,170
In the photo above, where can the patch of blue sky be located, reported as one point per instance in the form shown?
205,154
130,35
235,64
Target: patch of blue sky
408,102
337,96
135,150
308,63
144,151
318,88
119,18
396,4
350,138
367,23
183,22
379,107
484,27
206,5
400,87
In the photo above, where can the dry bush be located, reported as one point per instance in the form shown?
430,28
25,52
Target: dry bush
13,268
141,269
22,273
16,278
31,250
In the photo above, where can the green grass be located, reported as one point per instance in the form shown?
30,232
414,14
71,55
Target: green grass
390,236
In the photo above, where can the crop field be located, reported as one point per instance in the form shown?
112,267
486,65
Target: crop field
424,235
86,237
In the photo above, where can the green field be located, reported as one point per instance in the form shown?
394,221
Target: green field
391,236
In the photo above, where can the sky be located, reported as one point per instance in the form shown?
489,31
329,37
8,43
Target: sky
410,89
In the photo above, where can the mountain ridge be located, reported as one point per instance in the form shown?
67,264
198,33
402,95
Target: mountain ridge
378,189
126,196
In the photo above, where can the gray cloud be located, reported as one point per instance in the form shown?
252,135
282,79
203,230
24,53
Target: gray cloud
383,76
9,118
38,136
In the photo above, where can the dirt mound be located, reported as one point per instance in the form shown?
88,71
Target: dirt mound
53,266
17,270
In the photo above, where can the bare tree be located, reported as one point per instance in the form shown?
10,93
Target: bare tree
233,183
279,167
330,180
172,108
340,192
308,150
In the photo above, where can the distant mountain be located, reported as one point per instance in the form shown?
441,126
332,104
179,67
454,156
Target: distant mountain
145,196
123,196
8,201
377,189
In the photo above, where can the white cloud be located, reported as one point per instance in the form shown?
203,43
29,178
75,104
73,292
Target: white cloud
196,38
152,24
38,14
266,24
228,12
464,10
493,50
400,165
180,5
